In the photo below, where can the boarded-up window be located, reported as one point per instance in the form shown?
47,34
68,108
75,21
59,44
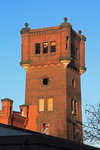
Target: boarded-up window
53,46
50,104
41,104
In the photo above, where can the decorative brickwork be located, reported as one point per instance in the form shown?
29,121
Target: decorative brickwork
52,82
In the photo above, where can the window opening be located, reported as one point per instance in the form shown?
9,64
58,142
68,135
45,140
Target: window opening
37,48
53,47
72,50
27,114
76,53
45,48
50,104
22,113
72,106
45,128
41,104
75,107
67,42
73,83
45,81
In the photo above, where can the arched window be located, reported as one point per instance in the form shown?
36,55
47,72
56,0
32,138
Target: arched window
45,128
73,83
53,47
73,107
45,47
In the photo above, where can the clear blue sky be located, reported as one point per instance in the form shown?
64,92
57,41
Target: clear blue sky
84,15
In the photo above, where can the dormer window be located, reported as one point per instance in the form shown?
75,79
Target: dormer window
37,48
45,48
53,47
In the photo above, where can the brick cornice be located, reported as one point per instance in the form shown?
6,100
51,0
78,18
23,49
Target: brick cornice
44,32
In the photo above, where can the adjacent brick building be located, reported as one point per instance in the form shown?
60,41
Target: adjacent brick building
54,59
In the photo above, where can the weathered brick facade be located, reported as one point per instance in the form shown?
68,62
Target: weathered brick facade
54,59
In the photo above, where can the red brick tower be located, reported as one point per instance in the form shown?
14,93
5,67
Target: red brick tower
53,59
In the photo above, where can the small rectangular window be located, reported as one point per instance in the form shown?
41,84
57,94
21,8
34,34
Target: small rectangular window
22,112
41,104
72,106
37,48
75,107
67,42
50,104
45,128
76,53
45,48
27,114
72,50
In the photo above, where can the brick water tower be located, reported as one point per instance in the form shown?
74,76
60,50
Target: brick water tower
54,60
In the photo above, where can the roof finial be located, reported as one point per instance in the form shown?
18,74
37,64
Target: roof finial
80,31
26,25
65,19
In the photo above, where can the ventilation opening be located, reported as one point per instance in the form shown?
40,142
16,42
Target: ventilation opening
45,81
